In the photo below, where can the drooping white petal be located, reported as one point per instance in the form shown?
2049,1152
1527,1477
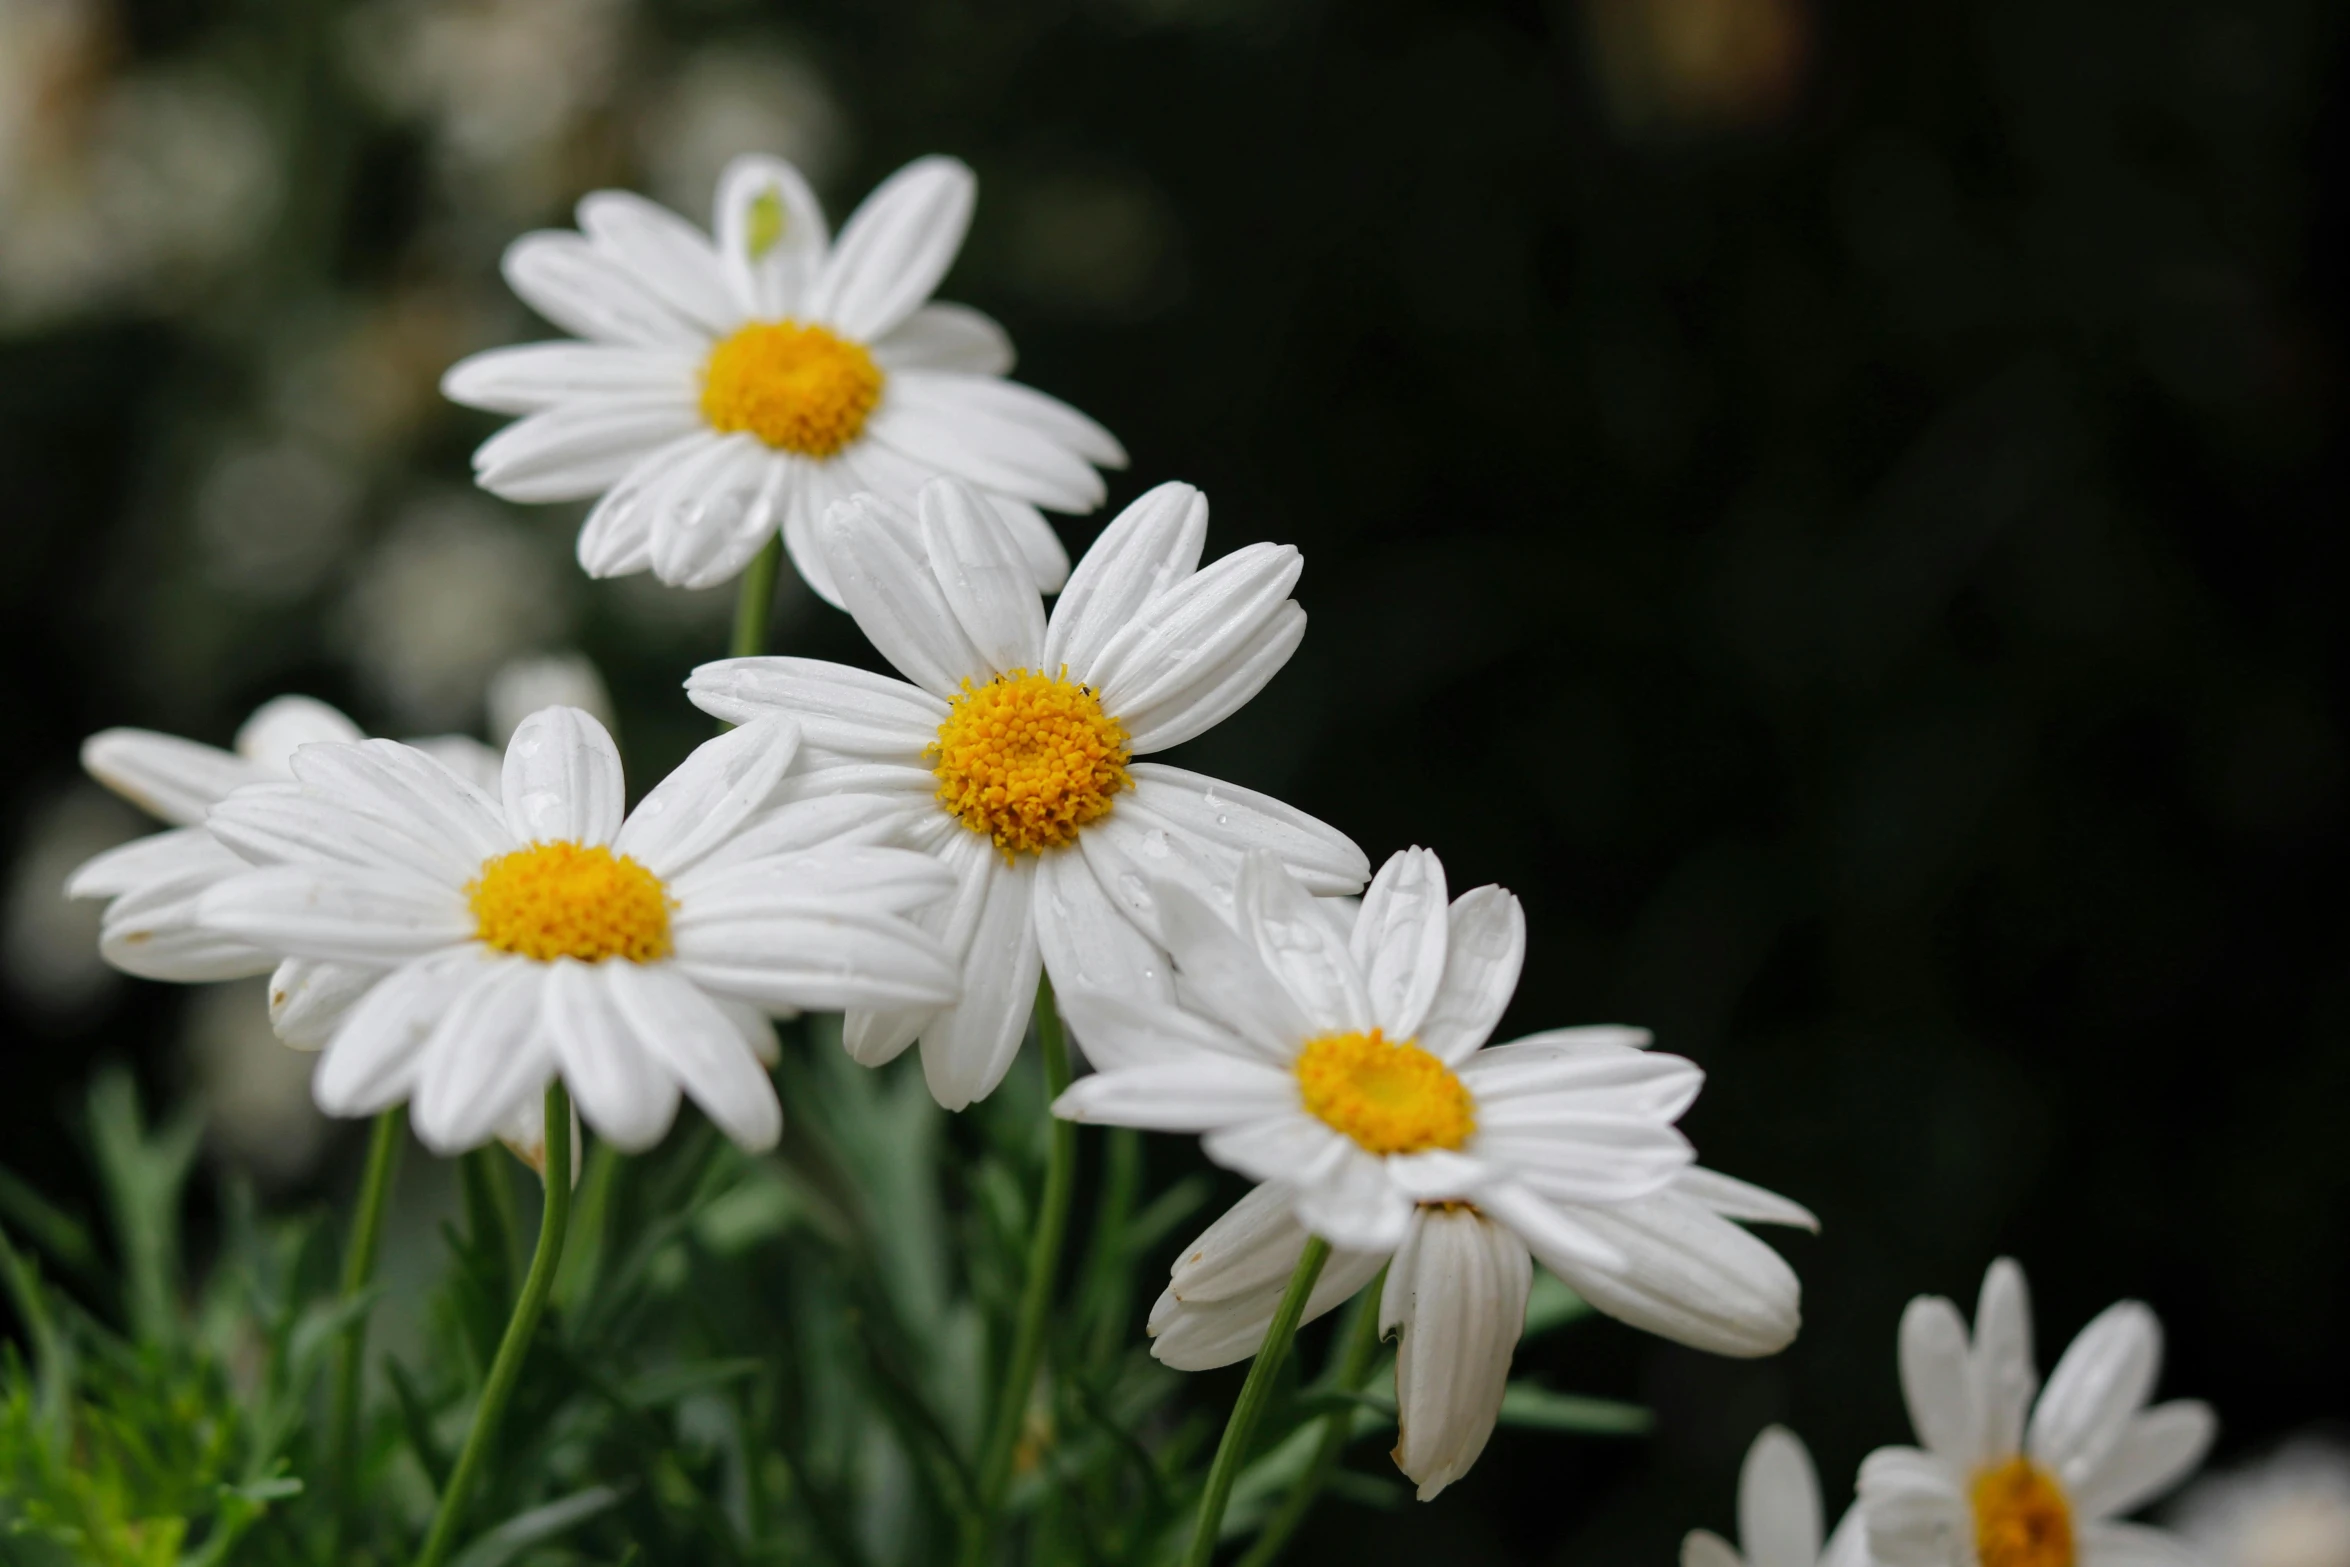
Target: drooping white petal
980,573
308,1000
165,776
969,1046
699,1047
2157,1450
667,256
1088,942
771,236
2103,1378
1779,1502
1200,1335
1147,548
562,779
702,804
1399,941
370,1063
897,603
1324,860
1485,948
940,336
2005,1375
895,248
850,711
530,376
488,1054
1915,1514
283,725
1252,1246
1457,1293
1688,1276
623,1089
589,294
343,913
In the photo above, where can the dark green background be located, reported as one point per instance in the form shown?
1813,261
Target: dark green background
1865,570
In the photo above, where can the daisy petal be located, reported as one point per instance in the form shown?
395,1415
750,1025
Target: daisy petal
1322,859
165,776
2101,1381
941,336
1935,1380
370,1063
576,450
1228,975
488,1054
895,248
712,508
2157,1450
1688,1276
1201,1336
818,957
706,800
771,236
1191,1094
341,913
968,1047
1298,947
1522,1086
288,824
1704,1548
1216,690
1033,536
700,1048
2005,1373
990,399
308,1000
982,576
1779,1502
1183,638
1119,1031
669,258
157,931
1457,1291
157,857
283,725
623,1089
897,602
1736,1199
863,877
588,294
838,708
946,432
1579,1158
1915,1514
1485,947
562,779
411,790
1345,1197
1399,941
531,376
1147,548
1089,944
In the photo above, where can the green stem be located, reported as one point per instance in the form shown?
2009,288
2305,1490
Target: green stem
755,600
1349,1364
1036,1296
367,1220
507,1368
1255,1393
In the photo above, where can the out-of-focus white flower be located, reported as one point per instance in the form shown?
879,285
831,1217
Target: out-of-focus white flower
273,517
2290,1509
726,97
453,591
525,685
505,86
49,944
256,1092
1779,1515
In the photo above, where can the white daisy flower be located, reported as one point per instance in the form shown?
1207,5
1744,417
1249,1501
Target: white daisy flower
506,943
730,386
1345,1072
153,883
1779,1515
1989,1488
1010,754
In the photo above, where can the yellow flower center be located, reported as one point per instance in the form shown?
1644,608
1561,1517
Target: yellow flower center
1390,1096
1028,760
2021,1517
562,900
798,388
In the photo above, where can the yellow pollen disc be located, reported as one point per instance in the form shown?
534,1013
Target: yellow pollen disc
1390,1096
2021,1517
1028,760
560,900
798,388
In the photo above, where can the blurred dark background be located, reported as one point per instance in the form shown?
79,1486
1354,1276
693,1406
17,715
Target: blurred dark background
1835,504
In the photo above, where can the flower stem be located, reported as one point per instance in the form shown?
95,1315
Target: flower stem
1036,1295
1349,1364
507,1368
755,600
375,1195
1255,1393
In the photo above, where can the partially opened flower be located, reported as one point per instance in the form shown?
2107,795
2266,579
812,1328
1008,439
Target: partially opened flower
730,386
1991,1488
490,946
1347,1072
1010,755
1779,1515
153,883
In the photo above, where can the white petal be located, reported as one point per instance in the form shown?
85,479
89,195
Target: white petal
465,756
1118,1031
1521,1083
1458,1292
1201,1335
861,878
712,508
990,400
1237,820
946,434
816,488
946,337
577,450
1399,940
2157,1450
1147,548
2102,1380
161,856
562,779
177,780
967,1048
1485,948
1300,950
624,1091
1554,1232
1198,652
895,248
308,1000
292,824
1253,1246
1575,1158
1229,975
701,805
1736,1199
1087,939
488,1054
700,1048
1848,1543
2004,1371
405,787
342,913
768,200
877,1037
617,538
669,258
157,931
838,708
818,958
825,820
1289,1149
370,1063
1704,1548
1915,1514
1689,1276
531,376
283,725
588,294
1779,1502
1039,545
1192,1094
985,581
1349,1200
897,602
2132,1545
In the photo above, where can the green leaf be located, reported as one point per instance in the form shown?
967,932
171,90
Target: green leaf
144,1176
48,1226
541,1524
1524,1404
668,1384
